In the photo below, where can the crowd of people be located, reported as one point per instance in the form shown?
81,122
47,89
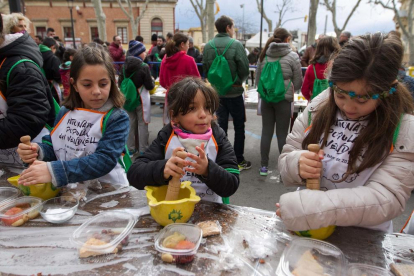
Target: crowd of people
360,114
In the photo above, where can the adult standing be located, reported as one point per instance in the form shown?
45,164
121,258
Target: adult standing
15,23
253,57
344,38
50,32
51,65
192,51
232,102
116,51
157,53
310,52
318,64
26,102
176,65
278,113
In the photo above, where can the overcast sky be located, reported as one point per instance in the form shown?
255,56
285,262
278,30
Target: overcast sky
367,18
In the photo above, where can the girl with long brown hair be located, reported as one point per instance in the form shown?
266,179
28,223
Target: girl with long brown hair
363,124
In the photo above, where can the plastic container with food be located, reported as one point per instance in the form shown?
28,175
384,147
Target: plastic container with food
105,233
305,257
19,210
7,194
178,242
59,209
357,269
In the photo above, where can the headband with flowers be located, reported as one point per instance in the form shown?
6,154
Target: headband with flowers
352,94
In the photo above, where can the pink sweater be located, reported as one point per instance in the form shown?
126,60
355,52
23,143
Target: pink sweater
176,67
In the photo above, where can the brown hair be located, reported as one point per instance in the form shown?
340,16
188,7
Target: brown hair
374,58
183,92
92,56
279,36
326,47
173,46
222,22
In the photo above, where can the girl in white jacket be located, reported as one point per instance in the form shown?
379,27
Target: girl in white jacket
364,124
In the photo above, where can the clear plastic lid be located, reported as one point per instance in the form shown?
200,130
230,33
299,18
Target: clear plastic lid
179,239
358,269
103,233
311,257
19,210
7,194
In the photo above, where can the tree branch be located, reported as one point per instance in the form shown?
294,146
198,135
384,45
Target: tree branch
123,9
350,15
195,8
397,14
138,19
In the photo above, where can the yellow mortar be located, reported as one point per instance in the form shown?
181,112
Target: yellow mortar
43,190
176,211
320,234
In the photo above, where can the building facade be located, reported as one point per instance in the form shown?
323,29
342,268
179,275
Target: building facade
159,18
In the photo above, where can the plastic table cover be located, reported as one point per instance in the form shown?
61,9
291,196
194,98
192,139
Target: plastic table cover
251,243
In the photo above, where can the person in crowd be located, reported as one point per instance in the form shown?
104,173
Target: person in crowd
253,57
139,38
50,32
16,23
232,102
277,48
51,65
211,165
64,71
363,125
200,60
38,39
318,64
26,102
157,54
344,38
407,80
154,39
310,52
116,51
192,51
169,36
98,41
135,69
77,151
176,65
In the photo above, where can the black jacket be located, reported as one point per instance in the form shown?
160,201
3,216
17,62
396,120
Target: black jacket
142,74
193,52
51,66
148,169
28,96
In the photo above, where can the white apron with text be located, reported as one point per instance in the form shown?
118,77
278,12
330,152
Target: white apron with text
10,156
340,141
146,104
202,190
77,135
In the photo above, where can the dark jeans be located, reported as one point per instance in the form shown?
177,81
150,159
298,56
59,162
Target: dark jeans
234,106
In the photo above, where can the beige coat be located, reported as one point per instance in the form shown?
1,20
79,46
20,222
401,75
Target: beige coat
381,199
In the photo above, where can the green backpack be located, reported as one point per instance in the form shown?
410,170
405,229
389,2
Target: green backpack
219,74
128,88
56,105
318,85
271,84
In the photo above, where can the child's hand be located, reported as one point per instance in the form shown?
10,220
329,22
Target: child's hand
278,212
27,153
35,174
200,166
310,165
171,167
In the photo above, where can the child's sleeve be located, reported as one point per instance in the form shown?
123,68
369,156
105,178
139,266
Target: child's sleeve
100,162
148,169
288,163
223,175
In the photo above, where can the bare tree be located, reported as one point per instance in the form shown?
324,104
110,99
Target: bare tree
407,29
282,8
269,21
248,27
210,18
331,6
200,9
130,14
100,19
313,9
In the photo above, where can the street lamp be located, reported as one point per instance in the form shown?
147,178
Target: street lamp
70,6
243,31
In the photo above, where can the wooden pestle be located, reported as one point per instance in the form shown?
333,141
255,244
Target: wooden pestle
26,140
313,184
175,184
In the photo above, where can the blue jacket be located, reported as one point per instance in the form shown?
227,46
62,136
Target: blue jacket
93,166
